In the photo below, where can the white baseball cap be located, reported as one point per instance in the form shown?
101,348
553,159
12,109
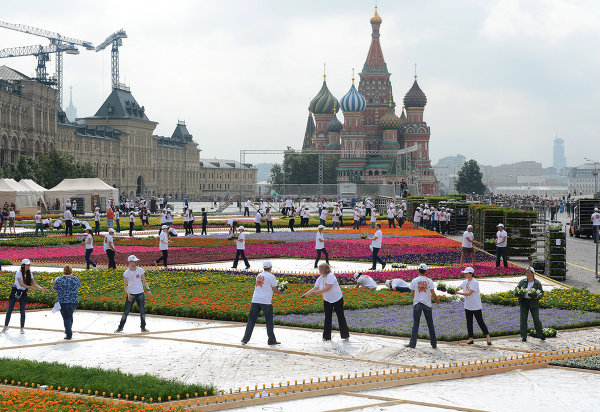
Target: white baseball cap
468,269
320,227
111,230
387,283
356,275
39,211
470,227
267,264
595,209
132,258
531,269
500,225
422,266
164,227
241,228
25,262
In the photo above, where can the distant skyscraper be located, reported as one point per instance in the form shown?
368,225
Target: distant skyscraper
71,110
559,159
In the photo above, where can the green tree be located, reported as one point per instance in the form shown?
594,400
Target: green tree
303,168
276,176
470,179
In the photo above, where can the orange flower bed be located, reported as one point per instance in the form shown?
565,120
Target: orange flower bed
406,230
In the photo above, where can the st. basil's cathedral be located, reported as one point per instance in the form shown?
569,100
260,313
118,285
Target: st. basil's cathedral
370,123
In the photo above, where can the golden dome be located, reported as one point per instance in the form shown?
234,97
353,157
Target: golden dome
375,19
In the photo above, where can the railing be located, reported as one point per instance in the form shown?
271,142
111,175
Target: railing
328,190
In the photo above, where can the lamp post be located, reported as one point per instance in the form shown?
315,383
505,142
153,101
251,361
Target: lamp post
595,174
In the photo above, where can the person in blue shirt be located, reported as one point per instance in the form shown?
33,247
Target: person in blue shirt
66,288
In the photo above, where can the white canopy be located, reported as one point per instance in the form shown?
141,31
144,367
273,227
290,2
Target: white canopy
86,188
12,191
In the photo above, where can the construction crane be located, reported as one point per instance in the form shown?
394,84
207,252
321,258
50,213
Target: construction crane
55,39
116,39
42,53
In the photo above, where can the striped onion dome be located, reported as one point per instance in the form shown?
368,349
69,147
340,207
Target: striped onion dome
415,96
353,101
324,102
389,121
334,125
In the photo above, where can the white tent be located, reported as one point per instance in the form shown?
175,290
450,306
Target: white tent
12,191
93,191
35,188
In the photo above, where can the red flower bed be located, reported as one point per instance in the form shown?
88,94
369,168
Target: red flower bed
4,306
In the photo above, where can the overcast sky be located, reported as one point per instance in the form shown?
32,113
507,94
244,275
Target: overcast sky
501,76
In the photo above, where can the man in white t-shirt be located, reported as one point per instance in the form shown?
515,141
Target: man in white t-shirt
441,217
426,218
375,246
323,216
264,289
163,245
68,222
356,224
240,251
288,206
422,289
97,221
397,285
38,223
134,282
257,219
320,246
391,212
109,248
501,244
467,245
595,221
365,281
247,207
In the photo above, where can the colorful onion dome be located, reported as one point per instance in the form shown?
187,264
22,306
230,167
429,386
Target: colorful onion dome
415,96
334,124
376,19
353,101
324,102
389,121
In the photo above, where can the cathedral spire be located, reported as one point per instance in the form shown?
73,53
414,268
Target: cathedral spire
375,61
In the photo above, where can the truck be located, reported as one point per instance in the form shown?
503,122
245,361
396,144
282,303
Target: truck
580,224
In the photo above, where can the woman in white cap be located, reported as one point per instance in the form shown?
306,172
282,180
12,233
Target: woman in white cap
240,251
97,221
472,304
501,243
163,245
365,281
89,247
134,283
24,282
131,223
376,246
335,219
117,216
333,300
320,245
269,220
530,303
397,285
264,289
292,218
38,223
109,248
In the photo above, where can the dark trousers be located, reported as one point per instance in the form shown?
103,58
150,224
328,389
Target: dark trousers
191,227
12,299
323,251
368,212
417,309
88,260
402,289
335,224
67,310
246,211
257,226
204,229
525,308
267,310
239,253
40,227
501,252
322,222
163,258
595,233
96,227
111,259
291,224
443,227
141,302
270,226
338,307
356,224
376,258
68,227
437,226
118,222
130,229
479,316
391,223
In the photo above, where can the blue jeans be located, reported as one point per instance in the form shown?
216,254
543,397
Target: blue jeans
118,225
12,299
66,310
141,302
88,261
375,257
417,309
255,309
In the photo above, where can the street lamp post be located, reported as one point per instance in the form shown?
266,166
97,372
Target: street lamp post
595,174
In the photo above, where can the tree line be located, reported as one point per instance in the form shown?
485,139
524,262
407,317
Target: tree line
47,170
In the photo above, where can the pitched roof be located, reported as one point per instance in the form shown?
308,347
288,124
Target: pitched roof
181,133
121,104
6,73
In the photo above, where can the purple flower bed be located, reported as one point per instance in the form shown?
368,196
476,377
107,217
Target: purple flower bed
449,320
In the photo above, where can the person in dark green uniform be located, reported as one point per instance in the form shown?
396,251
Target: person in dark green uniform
531,303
